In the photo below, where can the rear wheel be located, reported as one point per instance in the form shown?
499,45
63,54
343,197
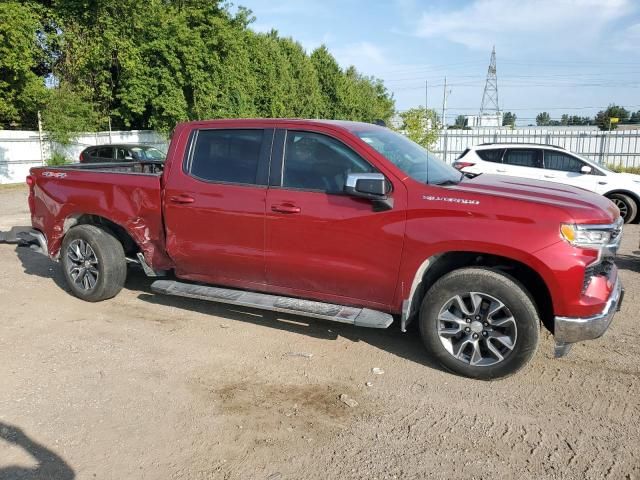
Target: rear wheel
93,262
479,323
627,206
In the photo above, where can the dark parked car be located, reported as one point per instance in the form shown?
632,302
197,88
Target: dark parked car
121,153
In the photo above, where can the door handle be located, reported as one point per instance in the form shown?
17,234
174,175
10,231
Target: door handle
500,170
182,198
549,176
285,208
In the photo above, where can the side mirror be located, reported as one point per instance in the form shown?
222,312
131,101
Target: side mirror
372,186
586,169
366,185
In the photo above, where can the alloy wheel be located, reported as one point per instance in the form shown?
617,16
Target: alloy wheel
83,264
477,329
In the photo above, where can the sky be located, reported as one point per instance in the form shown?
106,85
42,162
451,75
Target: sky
559,56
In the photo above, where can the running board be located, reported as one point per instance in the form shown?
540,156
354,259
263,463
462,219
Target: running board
360,317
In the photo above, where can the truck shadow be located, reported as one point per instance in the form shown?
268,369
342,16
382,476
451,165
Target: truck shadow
629,262
49,466
35,263
405,345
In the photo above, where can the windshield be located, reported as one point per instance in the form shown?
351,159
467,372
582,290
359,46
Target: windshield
414,160
149,153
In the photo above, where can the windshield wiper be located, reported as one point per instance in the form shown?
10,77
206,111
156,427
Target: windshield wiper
448,182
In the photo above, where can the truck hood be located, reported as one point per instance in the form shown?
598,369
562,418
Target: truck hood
582,205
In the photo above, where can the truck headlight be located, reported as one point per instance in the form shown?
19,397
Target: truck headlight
586,236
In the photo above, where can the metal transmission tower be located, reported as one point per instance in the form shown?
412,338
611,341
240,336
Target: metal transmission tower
489,107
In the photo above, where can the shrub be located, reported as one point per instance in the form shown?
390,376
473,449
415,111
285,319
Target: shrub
623,169
57,159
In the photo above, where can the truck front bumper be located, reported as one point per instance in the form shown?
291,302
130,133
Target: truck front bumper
568,330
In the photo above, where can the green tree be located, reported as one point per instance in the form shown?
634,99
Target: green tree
152,64
577,120
421,125
603,118
329,73
22,65
363,98
67,112
543,119
306,96
509,119
461,121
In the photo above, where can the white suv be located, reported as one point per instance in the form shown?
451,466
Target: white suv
554,164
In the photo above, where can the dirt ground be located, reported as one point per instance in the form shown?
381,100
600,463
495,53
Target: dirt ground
151,387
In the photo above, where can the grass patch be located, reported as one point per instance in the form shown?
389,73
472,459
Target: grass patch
12,186
623,169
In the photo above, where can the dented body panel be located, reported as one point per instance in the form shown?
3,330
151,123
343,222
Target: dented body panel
60,197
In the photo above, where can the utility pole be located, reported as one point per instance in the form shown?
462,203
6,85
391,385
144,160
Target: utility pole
426,95
445,94
40,138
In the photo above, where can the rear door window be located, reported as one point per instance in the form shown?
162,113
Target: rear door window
491,155
523,157
561,161
226,156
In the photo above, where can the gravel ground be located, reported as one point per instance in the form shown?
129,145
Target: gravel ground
143,386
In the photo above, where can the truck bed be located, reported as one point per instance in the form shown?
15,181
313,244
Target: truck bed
126,194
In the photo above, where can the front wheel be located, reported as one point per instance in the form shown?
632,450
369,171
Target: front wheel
479,323
93,262
627,206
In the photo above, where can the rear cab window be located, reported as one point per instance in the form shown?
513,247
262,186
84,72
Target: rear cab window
226,156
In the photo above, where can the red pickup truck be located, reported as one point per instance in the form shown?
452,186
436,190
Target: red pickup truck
342,221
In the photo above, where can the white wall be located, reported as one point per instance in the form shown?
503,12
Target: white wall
21,150
617,147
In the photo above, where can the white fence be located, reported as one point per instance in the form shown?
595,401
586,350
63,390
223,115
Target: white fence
619,147
21,150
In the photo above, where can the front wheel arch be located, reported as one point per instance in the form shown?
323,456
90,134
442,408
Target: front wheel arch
439,265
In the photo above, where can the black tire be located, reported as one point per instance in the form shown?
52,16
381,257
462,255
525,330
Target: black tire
518,315
105,256
627,206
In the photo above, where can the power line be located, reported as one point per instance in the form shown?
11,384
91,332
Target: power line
524,84
541,109
603,75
